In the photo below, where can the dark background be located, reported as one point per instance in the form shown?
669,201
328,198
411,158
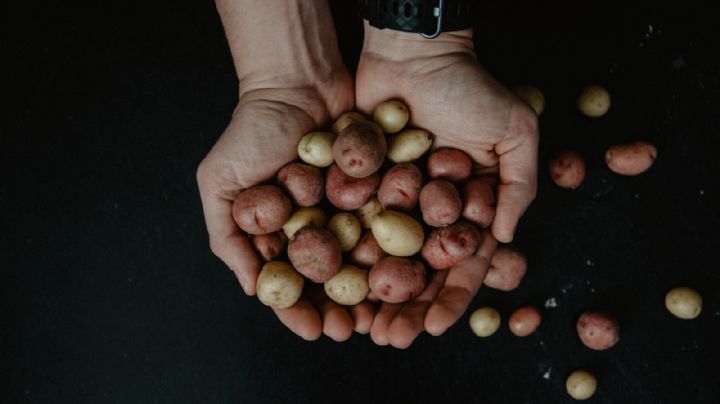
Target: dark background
110,293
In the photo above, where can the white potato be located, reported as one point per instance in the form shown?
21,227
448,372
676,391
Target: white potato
367,213
581,385
344,120
391,115
316,148
306,216
684,303
349,286
485,321
594,101
397,233
532,96
346,229
408,145
279,285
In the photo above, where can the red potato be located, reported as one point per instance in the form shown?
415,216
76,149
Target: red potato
631,159
524,321
478,203
315,253
440,203
598,331
450,245
269,246
507,268
261,209
346,192
360,148
451,164
304,183
400,187
367,252
397,279
567,169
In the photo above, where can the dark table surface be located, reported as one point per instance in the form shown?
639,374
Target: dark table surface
110,293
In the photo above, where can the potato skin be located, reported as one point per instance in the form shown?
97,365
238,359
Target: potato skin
507,268
524,321
397,279
367,252
440,203
532,96
269,246
478,203
279,285
261,209
450,245
408,145
484,321
598,331
450,164
346,119
305,216
391,115
631,159
315,253
315,148
400,187
349,286
346,229
346,192
684,303
593,101
366,213
567,169
303,183
397,233
359,149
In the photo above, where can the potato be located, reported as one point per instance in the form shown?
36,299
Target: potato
440,203
315,148
408,145
631,159
279,285
524,321
302,217
598,331
349,286
345,120
359,149
400,187
484,321
367,213
305,184
567,169
397,233
396,279
507,268
346,229
532,96
593,101
315,253
478,202
684,303
450,245
346,192
392,116
450,164
261,209
367,252
581,385
269,246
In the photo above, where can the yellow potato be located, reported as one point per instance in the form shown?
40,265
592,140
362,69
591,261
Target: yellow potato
391,116
279,285
367,213
581,385
485,321
349,286
684,303
346,229
302,217
316,148
397,233
344,120
408,145
594,101
532,96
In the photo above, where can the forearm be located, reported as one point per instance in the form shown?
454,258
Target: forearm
399,46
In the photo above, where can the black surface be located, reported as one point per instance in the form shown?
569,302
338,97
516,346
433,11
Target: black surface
111,295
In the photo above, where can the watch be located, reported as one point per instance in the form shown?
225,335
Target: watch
426,17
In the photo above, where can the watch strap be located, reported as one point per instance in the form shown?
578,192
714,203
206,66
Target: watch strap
427,17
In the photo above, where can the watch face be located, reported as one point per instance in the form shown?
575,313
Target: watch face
405,15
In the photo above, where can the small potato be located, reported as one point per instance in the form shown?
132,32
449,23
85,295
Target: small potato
484,321
396,279
315,253
346,229
581,385
367,252
400,187
598,331
349,286
567,169
450,245
408,145
346,192
315,148
450,164
593,101
397,233
366,213
261,209
524,321
305,184
392,116
302,217
345,120
440,203
359,149
478,203
631,159
269,246
532,96
279,285
684,303
507,269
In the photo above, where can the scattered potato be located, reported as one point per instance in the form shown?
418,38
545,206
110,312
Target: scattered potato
346,229
598,331
315,148
594,101
396,279
305,184
367,213
359,149
478,202
392,116
315,253
269,246
279,285
400,187
581,385
450,245
533,97
684,303
567,169
346,119
397,233
367,252
631,159
524,321
507,268
408,145
440,203
450,164
261,209
346,192
349,286
302,217
485,321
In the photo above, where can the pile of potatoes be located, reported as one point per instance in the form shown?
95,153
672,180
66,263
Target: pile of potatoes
366,212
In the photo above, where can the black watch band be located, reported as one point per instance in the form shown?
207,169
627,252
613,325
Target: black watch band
426,17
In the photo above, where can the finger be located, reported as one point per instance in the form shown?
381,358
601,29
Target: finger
461,285
483,155
336,321
302,318
362,316
381,322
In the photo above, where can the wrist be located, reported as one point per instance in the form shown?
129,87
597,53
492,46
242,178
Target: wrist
403,46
